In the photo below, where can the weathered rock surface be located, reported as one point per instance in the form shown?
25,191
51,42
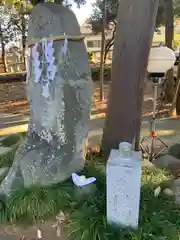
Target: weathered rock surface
60,103
174,150
165,160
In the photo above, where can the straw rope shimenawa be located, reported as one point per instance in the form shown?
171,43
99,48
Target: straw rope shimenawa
56,38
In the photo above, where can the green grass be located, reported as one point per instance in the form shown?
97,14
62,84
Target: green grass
12,139
7,158
159,216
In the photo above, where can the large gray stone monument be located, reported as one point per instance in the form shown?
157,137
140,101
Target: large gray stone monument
123,187
59,92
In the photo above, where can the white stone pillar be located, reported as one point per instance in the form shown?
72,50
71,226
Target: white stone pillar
123,188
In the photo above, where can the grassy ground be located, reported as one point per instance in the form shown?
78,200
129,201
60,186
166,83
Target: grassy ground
12,139
159,216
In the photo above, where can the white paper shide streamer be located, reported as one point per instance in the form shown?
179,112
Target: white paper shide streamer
28,59
36,63
50,67
65,46
48,64
49,52
28,68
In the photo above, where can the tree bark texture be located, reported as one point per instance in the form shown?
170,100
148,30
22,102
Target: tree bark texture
169,36
173,110
134,33
169,23
178,102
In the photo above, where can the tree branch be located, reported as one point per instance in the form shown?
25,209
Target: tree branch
15,22
109,43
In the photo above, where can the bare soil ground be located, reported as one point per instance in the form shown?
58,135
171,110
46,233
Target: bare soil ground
13,99
47,230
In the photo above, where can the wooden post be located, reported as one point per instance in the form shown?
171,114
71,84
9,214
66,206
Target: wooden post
169,36
135,28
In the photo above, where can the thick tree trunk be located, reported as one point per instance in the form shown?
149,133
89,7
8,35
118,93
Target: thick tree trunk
103,39
178,92
169,36
173,110
3,57
178,103
134,33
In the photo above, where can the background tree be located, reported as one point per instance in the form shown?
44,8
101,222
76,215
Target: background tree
2,37
112,8
7,33
64,2
104,21
3,57
178,102
96,20
19,22
19,12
